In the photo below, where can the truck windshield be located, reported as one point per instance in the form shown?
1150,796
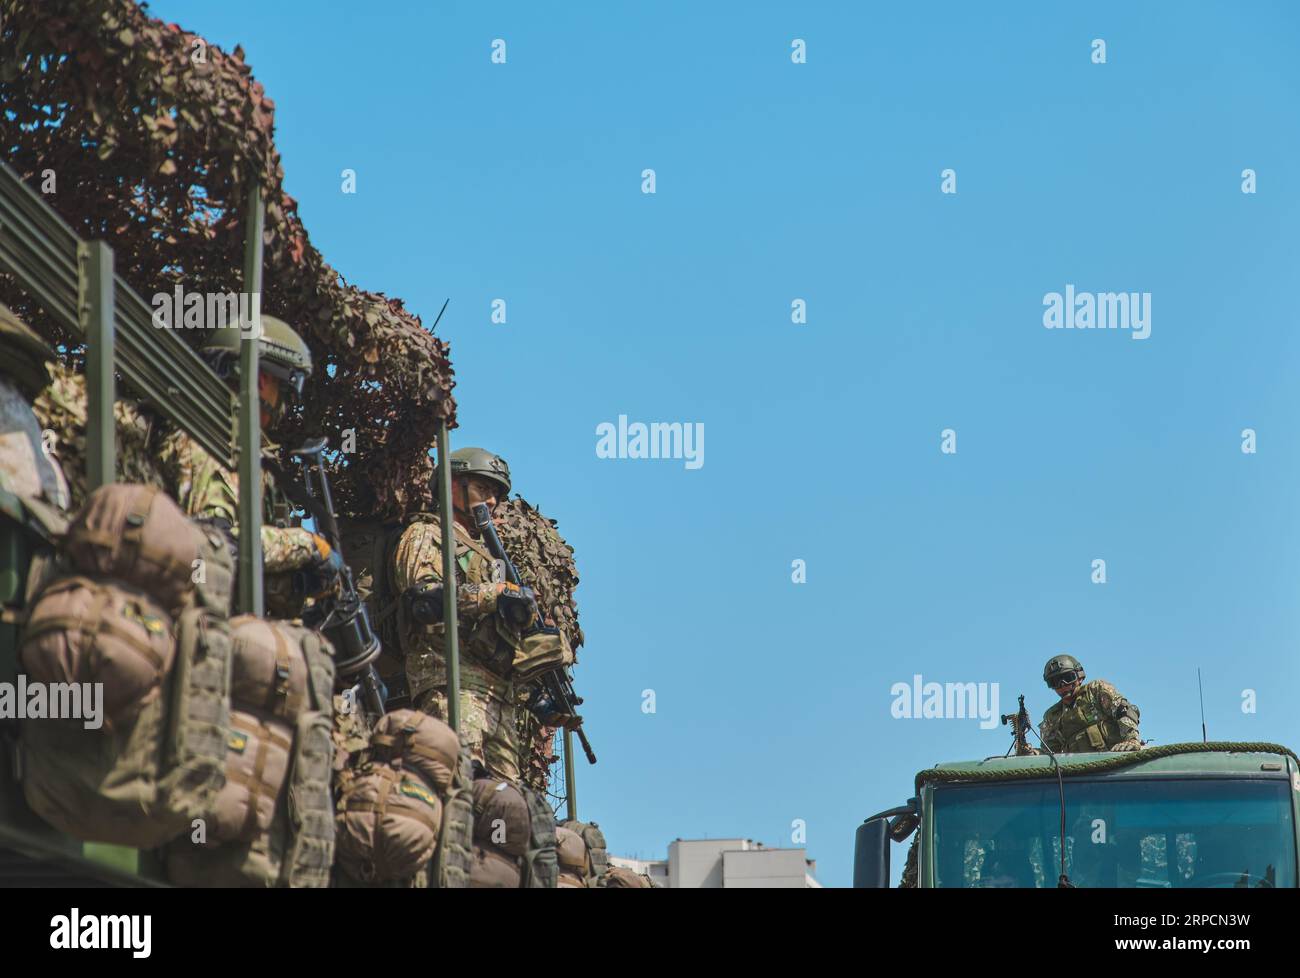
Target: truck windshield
1118,833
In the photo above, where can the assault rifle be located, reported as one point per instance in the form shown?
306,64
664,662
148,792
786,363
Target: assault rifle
1020,730
554,693
344,619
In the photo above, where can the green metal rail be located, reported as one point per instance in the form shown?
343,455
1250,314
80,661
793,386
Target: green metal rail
42,253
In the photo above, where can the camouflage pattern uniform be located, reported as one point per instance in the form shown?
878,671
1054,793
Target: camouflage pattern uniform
63,409
487,645
206,490
1100,719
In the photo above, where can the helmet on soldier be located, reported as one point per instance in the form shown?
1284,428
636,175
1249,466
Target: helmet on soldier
1062,670
282,355
25,354
481,476
481,462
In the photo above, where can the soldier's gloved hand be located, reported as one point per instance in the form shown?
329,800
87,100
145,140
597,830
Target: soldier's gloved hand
424,602
1127,745
517,605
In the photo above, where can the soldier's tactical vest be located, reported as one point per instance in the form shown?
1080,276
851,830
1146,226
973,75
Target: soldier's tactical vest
597,854
272,825
162,651
371,547
1083,727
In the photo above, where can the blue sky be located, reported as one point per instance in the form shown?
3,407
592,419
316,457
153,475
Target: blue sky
821,181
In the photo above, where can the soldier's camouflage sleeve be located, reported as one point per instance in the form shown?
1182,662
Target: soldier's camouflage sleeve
288,549
418,560
201,487
1113,703
206,490
1047,732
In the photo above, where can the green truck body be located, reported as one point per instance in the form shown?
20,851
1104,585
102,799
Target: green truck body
1178,816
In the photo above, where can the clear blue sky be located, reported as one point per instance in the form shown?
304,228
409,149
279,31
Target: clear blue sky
822,181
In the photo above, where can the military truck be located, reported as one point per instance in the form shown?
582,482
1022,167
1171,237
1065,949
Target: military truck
1173,816
74,283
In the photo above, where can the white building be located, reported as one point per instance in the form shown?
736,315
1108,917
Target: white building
726,864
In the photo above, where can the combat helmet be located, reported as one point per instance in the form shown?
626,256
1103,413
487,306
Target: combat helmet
479,461
281,352
1059,666
25,354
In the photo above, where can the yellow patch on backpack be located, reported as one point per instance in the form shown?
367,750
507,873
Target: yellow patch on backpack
150,623
413,790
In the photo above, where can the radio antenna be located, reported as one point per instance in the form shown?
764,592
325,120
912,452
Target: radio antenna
440,312
1200,689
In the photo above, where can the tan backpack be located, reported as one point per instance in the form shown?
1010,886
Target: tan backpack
571,854
86,631
391,805
597,854
541,868
516,823
272,823
138,536
452,862
621,878
146,779
160,645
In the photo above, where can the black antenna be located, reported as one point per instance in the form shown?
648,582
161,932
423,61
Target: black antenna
440,312
1200,689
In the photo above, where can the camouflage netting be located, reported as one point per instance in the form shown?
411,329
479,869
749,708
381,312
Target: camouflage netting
538,755
544,560
545,564
154,138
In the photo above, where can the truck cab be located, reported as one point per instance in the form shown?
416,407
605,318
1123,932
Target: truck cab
1183,815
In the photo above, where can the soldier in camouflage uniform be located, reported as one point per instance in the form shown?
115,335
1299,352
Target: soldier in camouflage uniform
297,562
26,470
1092,716
488,614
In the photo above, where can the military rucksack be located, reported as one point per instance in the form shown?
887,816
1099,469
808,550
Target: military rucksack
514,824
390,812
451,863
597,854
571,853
83,631
541,863
144,781
622,878
136,534
273,822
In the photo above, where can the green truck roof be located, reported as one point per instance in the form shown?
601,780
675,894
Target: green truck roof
1205,760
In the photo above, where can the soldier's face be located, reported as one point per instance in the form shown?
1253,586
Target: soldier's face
483,491
268,392
469,492
1066,690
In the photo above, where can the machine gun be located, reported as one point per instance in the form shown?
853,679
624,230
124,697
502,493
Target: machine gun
343,619
1020,730
554,693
